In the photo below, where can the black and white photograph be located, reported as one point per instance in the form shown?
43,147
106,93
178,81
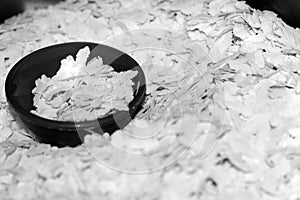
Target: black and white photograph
149,100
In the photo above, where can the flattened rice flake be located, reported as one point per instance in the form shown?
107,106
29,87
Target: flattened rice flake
268,121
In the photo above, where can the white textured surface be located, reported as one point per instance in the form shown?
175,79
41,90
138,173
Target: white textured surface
251,95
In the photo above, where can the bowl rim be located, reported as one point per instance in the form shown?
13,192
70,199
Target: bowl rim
70,126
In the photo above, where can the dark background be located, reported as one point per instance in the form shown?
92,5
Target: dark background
9,8
288,10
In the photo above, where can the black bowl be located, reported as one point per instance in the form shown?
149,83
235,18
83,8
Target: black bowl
21,80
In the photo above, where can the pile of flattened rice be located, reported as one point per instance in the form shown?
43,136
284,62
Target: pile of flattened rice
221,118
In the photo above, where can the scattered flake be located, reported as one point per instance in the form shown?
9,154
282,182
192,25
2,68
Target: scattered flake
175,189
220,48
241,31
5,133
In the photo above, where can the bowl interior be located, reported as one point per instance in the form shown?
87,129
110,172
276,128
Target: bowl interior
21,79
